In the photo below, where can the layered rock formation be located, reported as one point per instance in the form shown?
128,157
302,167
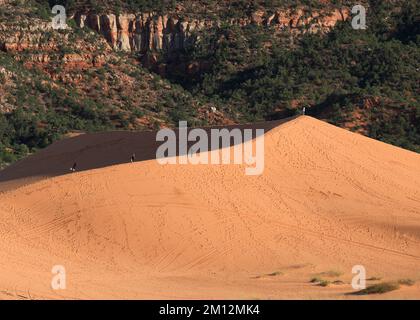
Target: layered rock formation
144,32
38,44
17,37
153,32
147,32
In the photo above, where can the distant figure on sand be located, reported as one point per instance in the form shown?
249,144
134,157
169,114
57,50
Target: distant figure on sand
133,157
73,168
304,110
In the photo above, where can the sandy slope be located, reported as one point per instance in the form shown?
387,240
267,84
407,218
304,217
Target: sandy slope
328,200
93,151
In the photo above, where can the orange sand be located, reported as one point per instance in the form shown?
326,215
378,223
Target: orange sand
329,199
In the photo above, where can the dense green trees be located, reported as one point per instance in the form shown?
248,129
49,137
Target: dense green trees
333,74
252,73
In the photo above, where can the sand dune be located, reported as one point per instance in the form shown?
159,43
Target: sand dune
328,199
93,151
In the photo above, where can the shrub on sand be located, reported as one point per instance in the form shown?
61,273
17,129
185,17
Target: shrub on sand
379,288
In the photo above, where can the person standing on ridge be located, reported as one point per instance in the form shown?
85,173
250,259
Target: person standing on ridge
73,168
133,157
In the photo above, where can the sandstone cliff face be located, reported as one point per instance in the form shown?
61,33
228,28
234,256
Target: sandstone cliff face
36,43
149,32
152,32
25,37
144,32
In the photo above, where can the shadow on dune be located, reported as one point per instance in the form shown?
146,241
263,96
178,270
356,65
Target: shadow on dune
98,150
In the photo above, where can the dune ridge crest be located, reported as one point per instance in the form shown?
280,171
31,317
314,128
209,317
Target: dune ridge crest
328,199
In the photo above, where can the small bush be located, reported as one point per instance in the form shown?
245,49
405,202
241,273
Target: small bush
324,283
320,282
379,288
374,279
315,280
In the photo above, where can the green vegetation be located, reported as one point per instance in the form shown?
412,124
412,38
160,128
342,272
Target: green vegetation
373,279
324,283
25,129
365,80
384,287
256,74
273,274
315,280
44,111
379,288
320,282
114,5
